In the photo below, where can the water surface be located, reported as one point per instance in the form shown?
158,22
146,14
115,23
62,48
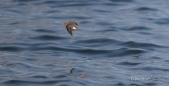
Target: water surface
120,43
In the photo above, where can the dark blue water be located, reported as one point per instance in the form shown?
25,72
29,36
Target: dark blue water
120,43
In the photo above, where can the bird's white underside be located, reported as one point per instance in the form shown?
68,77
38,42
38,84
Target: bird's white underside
74,28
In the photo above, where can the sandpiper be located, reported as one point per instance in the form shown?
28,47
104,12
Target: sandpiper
70,26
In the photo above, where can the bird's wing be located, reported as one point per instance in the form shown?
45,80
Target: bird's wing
69,30
75,23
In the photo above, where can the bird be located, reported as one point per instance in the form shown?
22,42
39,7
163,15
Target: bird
70,26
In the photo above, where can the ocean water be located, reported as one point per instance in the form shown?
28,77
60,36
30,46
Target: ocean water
120,43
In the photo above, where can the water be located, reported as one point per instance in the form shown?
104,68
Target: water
120,43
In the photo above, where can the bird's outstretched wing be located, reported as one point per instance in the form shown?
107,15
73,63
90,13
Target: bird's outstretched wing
69,29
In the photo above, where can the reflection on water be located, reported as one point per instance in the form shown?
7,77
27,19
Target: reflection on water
117,40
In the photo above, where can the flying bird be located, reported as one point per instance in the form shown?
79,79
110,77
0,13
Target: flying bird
70,26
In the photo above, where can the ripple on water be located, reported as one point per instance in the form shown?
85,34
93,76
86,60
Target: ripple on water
11,48
162,21
121,0
60,76
4,71
68,17
48,37
97,42
44,31
112,4
126,52
103,23
146,46
96,53
23,0
39,77
136,28
29,82
18,65
151,69
146,9
129,63
71,4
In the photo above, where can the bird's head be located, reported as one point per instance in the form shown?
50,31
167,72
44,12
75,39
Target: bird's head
65,23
